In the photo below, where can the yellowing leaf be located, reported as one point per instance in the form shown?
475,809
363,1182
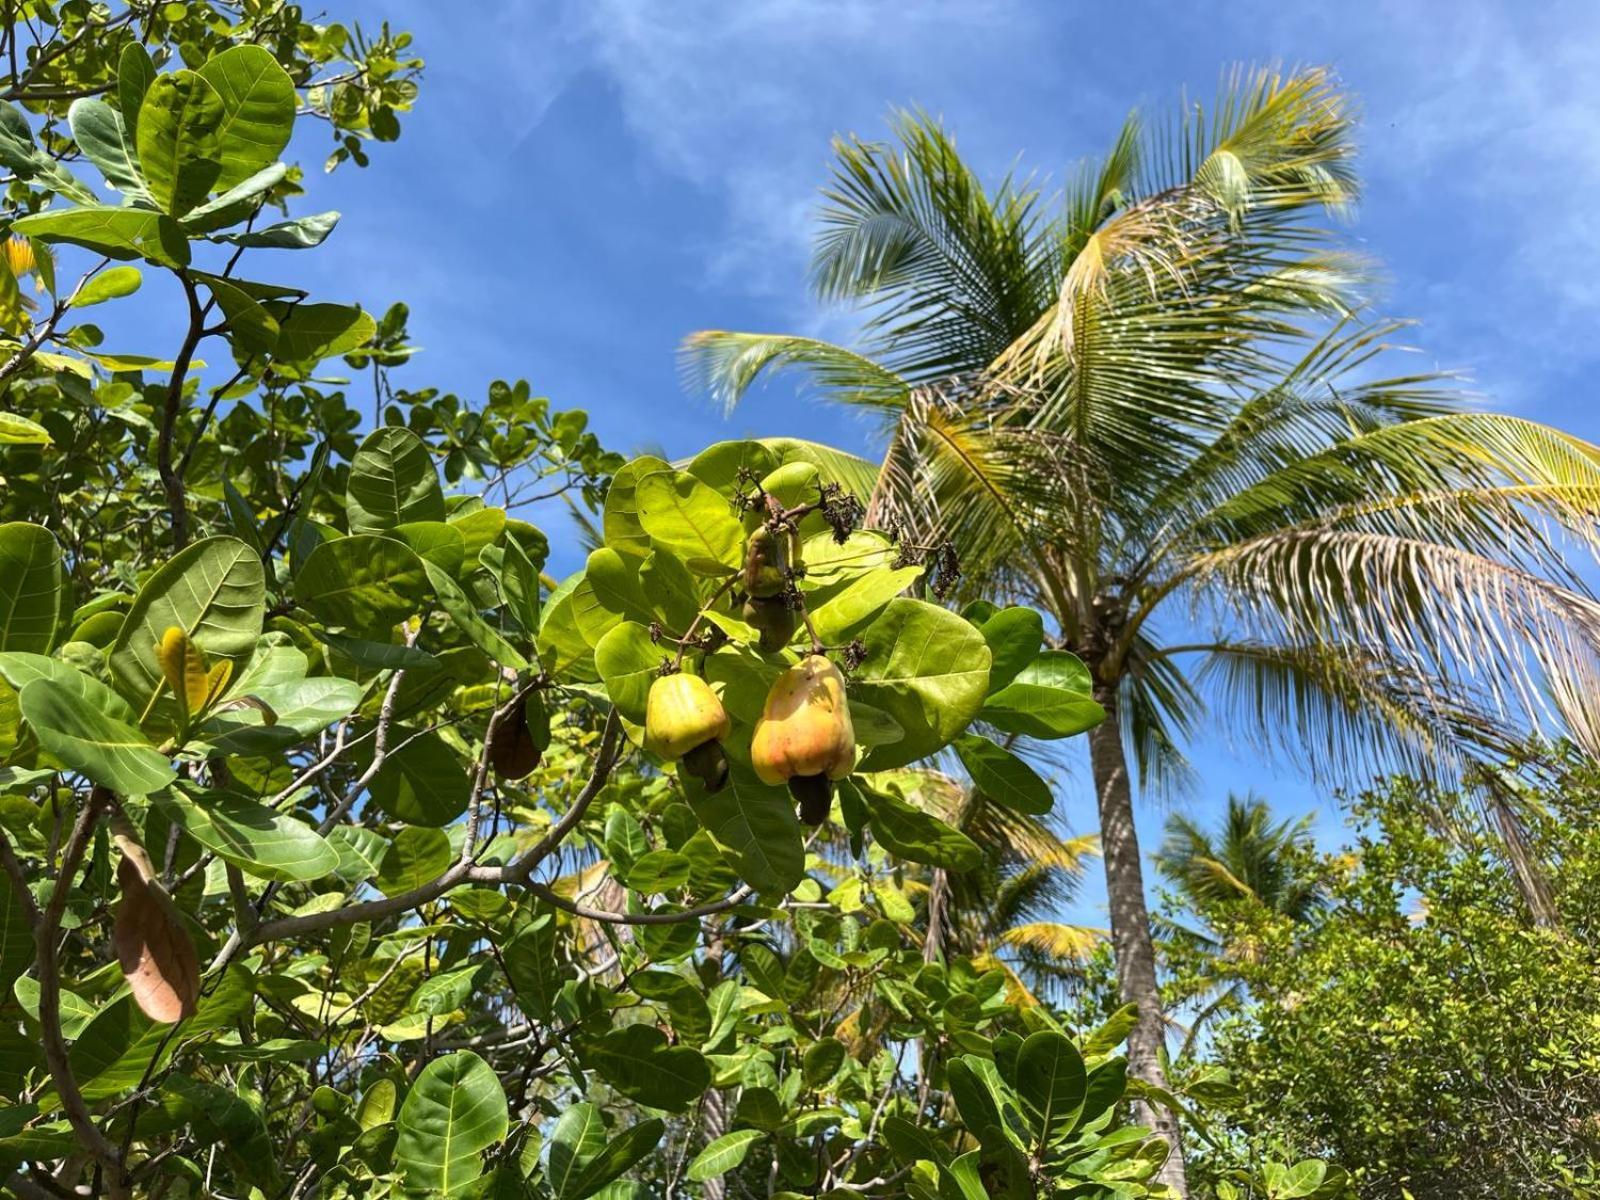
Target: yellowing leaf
183,665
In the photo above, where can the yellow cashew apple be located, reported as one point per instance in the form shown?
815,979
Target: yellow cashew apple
804,737
684,721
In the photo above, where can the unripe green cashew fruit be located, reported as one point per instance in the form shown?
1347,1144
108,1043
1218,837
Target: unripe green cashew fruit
769,557
773,618
805,737
684,721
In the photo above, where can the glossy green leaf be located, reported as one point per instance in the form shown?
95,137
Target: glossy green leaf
849,609
110,284
638,1062
619,1156
453,1113
19,431
16,936
687,517
470,621
214,590
620,520
421,781
309,333
908,832
579,1135
239,202
929,670
251,327
257,110
757,825
177,138
92,742
722,1155
363,582
31,582
392,482
302,233
658,871
1052,697
120,233
1002,776
1014,636
416,856
629,663
1050,1083
257,839
99,130
135,73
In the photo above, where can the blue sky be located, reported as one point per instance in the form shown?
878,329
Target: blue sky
584,183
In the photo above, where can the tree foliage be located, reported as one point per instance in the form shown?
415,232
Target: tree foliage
1423,1029
342,852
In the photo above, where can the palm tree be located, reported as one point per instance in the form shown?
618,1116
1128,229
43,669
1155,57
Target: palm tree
1156,410
1249,860
1249,863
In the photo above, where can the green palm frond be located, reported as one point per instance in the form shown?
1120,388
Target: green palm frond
726,365
948,265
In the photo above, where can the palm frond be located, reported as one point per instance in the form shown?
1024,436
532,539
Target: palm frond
726,365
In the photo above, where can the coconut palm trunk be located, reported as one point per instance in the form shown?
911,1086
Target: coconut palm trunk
1130,926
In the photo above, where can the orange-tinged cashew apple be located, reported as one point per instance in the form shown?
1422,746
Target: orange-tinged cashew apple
773,618
684,721
769,557
805,737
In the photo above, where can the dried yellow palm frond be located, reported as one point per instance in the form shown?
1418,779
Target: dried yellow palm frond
20,256
1063,943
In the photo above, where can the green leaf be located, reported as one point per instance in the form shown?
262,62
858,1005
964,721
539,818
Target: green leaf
258,107
215,591
106,142
21,669
637,1061
251,327
453,1113
235,204
848,610
18,151
533,964
421,782
467,618
723,1155
256,839
92,742
758,826
929,670
309,333
392,482
621,1155
178,142
19,431
579,1135
629,663
1004,777
620,521
658,871
363,582
1052,697
1014,636
416,856
31,581
1050,1083
822,1061
111,284
303,233
135,74
688,518
908,832
16,936
120,233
